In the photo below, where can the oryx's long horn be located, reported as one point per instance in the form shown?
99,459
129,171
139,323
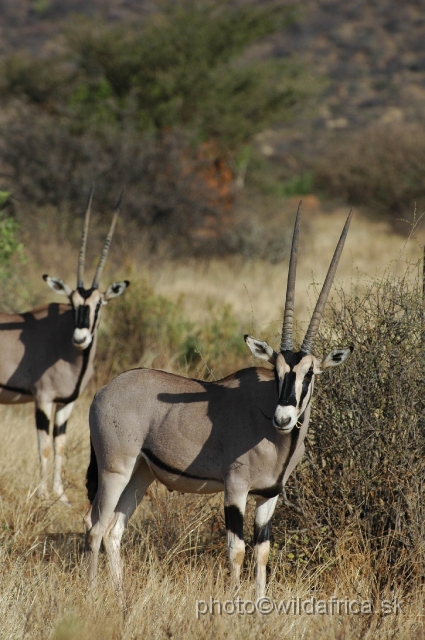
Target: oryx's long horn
307,345
102,260
82,254
288,315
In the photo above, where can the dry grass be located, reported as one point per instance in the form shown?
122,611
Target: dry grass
174,555
256,289
174,548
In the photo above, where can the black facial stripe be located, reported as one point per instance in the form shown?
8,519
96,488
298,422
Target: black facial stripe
261,533
85,293
287,396
306,385
82,317
96,315
234,520
292,358
168,468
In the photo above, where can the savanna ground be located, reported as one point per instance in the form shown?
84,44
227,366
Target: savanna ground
217,118
351,524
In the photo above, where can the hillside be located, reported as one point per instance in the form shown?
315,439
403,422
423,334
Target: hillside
372,52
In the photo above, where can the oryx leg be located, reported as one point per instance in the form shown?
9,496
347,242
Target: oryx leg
101,514
234,509
59,437
43,414
262,520
128,502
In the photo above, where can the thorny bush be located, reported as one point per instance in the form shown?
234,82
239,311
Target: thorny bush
361,481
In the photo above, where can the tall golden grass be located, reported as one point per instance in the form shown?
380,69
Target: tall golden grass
174,548
175,555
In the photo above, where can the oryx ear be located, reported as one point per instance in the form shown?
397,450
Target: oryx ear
334,358
114,290
58,285
261,349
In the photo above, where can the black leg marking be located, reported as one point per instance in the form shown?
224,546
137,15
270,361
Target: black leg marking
59,431
42,421
261,533
92,477
234,520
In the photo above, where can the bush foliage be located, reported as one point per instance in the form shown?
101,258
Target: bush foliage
381,168
167,106
360,487
148,329
361,482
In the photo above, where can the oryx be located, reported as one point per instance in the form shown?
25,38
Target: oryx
47,354
242,435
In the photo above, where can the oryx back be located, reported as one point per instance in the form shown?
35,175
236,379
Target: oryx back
243,435
47,355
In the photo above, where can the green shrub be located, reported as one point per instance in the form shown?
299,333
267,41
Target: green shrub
147,329
13,287
184,69
144,329
218,343
187,67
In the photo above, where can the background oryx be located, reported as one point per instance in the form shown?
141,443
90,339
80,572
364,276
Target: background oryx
47,354
235,435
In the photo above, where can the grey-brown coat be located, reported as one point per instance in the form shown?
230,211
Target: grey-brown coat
235,435
48,353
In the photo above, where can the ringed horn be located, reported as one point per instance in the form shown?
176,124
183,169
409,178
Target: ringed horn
82,254
288,317
104,254
307,345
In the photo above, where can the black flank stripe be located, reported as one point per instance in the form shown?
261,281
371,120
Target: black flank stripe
268,492
234,520
23,392
169,469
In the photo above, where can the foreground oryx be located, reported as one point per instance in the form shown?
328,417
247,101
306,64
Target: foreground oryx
235,435
47,355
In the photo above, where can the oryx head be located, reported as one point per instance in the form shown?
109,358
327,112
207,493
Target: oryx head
86,303
295,370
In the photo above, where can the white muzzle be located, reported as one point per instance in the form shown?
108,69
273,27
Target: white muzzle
285,418
81,338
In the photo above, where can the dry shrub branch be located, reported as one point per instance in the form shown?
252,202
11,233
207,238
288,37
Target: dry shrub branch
380,168
361,482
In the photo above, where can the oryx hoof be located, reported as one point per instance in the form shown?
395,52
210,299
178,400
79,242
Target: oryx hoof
65,500
42,493
62,497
